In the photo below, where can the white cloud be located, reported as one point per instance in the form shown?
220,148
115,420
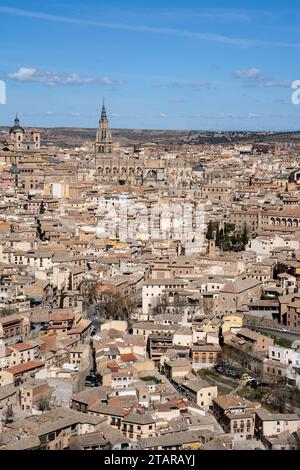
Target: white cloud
200,35
23,74
251,73
278,84
267,83
256,79
125,116
56,114
26,74
190,84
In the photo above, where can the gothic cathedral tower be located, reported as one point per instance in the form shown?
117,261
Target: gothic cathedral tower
104,138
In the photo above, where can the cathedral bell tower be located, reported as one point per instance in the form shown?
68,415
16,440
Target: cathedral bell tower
103,142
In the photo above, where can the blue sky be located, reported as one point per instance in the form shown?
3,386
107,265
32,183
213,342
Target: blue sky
163,64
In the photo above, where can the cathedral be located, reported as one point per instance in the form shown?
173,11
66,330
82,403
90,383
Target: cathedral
123,170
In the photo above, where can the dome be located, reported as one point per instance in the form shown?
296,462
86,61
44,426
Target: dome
16,127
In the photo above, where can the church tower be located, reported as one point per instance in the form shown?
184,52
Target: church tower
104,138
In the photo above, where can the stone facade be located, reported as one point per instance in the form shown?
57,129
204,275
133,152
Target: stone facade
124,170
20,140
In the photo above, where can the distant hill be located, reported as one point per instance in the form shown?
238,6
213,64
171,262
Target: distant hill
72,137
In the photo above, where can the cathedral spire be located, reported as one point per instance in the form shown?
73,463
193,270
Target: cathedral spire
104,137
103,113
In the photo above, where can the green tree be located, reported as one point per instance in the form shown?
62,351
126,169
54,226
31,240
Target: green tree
61,299
228,228
227,245
42,208
244,237
210,233
44,403
218,237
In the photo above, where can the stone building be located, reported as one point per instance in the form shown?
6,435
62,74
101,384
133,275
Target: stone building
20,140
135,170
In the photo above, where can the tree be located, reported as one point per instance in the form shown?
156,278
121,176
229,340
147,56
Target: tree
42,208
61,299
228,228
221,337
160,305
115,306
227,358
210,233
227,245
88,289
110,301
244,237
70,282
40,234
44,403
8,414
218,237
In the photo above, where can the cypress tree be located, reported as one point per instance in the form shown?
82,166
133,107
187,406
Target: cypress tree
245,238
218,237
209,233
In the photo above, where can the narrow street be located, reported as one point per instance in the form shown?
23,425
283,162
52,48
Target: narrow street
85,368
288,335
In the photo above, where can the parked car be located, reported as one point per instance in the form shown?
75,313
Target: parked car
71,367
89,382
92,380
234,374
253,383
227,371
247,377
